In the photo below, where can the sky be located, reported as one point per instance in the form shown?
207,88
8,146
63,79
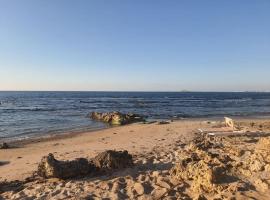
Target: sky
126,45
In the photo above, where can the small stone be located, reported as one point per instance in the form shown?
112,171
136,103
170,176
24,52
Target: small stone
155,173
141,177
260,185
139,188
115,187
256,166
56,192
144,161
104,186
174,181
163,122
156,161
162,183
158,192
267,168
200,197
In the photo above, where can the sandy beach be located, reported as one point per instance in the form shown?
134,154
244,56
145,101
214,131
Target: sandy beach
136,138
155,148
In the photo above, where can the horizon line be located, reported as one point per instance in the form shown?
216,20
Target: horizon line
150,91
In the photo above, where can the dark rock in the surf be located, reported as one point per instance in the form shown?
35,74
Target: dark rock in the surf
4,146
49,167
110,160
116,118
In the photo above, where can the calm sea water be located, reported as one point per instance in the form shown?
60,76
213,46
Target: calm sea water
27,114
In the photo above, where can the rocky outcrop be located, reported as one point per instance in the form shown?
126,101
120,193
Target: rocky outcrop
116,118
204,171
206,162
214,164
113,160
49,167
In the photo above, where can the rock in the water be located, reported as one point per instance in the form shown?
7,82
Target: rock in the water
113,160
4,146
49,167
116,118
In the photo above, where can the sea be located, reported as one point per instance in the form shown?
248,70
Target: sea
31,114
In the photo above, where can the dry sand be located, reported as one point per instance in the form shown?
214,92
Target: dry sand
155,149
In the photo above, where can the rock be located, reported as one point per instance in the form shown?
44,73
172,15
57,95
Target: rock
202,167
263,144
238,186
116,118
267,168
158,193
115,187
200,197
49,167
163,183
139,188
141,178
113,160
256,166
261,185
155,173
4,146
163,122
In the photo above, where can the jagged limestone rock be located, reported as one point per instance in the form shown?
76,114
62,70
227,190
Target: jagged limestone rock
116,118
49,167
113,160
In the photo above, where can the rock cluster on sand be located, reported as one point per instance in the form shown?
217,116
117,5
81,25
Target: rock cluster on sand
49,167
108,160
216,164
255,165
116,118
206,170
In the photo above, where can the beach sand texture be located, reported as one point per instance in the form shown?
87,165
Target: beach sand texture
156,150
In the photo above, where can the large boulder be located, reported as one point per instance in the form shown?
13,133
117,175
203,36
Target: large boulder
49,167
110,159
116,118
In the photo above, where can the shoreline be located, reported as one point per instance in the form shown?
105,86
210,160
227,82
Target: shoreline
27,153
69,134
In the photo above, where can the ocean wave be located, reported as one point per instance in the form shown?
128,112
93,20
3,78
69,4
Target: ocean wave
28,109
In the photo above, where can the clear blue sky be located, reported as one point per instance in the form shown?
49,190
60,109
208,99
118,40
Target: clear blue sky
154,45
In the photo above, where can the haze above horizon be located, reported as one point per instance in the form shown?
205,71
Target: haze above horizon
135,45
